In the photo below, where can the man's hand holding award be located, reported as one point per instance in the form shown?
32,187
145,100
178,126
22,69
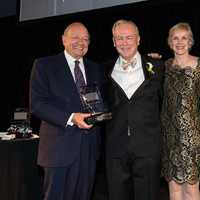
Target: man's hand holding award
93,103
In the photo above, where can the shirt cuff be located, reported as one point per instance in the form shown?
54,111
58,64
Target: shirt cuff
69,121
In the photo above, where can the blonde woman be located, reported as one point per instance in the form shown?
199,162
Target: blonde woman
181,116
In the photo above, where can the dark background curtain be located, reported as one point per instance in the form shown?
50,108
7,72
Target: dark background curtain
21,43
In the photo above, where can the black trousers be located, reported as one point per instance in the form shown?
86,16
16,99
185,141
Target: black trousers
73,182
133,177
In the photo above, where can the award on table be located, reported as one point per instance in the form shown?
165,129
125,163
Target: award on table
93,103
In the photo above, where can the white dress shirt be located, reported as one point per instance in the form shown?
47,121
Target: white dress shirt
71,63
131,78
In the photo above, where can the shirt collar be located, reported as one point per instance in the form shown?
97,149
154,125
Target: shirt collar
71,60
121,60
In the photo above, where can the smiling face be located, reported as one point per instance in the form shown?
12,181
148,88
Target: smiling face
76,40
126,39
180,38
180,42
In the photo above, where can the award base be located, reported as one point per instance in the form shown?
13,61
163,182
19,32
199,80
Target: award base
98,117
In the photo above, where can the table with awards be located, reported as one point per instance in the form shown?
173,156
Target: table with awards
20,179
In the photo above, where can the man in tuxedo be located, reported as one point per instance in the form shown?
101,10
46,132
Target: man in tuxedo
68,146
133,136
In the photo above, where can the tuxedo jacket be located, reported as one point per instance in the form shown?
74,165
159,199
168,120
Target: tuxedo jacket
141,113
53,98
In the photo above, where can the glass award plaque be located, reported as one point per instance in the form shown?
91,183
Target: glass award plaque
93,103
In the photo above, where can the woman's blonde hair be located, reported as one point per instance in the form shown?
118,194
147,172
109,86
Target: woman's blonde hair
181,26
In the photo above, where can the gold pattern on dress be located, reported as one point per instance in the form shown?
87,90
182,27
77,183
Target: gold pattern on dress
181,123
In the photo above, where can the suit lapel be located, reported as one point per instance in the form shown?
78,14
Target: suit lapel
65,78
110,68
144,67
89,72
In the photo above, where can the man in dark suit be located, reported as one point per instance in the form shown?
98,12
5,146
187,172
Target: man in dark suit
68,146
133,137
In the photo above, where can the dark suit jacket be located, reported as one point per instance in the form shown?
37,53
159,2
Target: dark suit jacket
141,113
53,97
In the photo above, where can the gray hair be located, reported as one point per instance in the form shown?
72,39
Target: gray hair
123,21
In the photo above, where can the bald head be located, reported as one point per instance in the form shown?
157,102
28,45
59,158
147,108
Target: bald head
75,25
76,40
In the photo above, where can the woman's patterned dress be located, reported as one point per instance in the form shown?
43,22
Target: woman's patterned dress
181,123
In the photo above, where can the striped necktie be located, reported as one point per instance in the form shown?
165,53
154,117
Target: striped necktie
79,79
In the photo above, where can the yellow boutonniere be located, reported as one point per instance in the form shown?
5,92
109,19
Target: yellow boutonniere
150,68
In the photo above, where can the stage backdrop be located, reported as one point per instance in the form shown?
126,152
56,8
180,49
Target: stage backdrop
30,9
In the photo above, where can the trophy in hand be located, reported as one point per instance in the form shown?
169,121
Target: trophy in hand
93,103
